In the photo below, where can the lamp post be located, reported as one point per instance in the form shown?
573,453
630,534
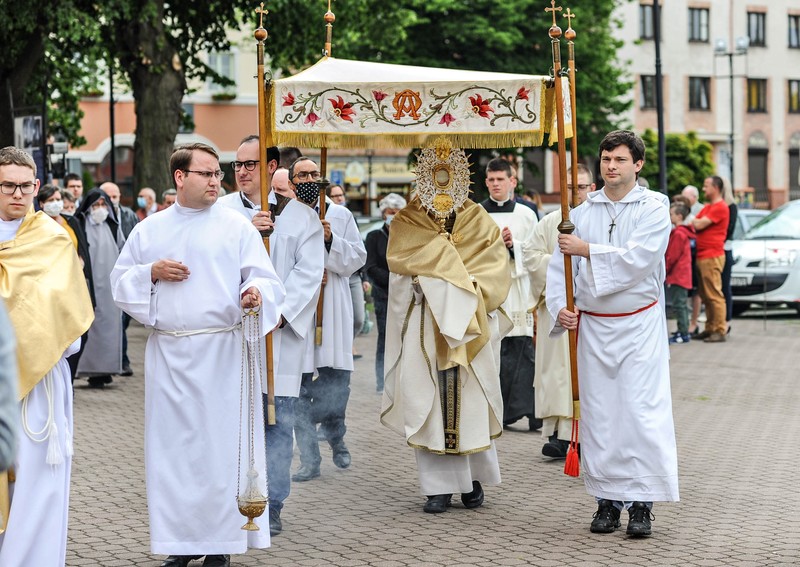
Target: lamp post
721,50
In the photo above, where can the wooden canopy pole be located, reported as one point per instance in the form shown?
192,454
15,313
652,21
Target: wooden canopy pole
565,227
261,35
570,36
323,168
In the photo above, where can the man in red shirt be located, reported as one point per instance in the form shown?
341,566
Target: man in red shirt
711,224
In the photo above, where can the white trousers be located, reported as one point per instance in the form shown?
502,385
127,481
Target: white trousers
453,474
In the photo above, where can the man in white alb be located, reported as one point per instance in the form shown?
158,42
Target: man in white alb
626,428
188,273
325,398
298,255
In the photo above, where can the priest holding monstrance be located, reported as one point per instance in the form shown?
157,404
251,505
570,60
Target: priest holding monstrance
448,277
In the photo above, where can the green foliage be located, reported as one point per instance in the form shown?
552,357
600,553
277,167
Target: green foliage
689,160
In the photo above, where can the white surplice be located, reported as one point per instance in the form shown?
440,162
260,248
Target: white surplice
298,255
36,531
346,255
552,385
192,383
626,428
521,221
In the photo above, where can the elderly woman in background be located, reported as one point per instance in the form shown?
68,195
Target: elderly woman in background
377,271
103,354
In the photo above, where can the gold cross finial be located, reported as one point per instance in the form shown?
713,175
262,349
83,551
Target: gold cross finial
261,13
569,15
553,9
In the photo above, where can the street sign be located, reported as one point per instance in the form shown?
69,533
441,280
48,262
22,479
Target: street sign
337,177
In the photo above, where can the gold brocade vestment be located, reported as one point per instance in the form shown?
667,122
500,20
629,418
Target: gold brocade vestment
472,262
43,286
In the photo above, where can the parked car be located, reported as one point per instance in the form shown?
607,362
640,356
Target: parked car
766,261
747,219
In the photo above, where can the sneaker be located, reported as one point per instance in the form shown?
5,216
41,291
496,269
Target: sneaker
715,338
639,518
606,519
677,338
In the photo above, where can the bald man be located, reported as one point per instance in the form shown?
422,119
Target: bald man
147,203
280,183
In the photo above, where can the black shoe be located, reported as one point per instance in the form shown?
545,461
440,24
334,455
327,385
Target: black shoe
639,520
100,382
305,472
217,561
275,524
437,504
341,456
475,498
179,560
126,371
555,448
606,519
534,424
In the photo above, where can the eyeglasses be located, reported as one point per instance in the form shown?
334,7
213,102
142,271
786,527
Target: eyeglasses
11,188
581,187
313,175
249,165
219,174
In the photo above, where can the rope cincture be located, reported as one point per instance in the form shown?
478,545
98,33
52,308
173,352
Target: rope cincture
49,432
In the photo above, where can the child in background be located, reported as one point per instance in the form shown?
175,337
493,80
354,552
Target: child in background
679,270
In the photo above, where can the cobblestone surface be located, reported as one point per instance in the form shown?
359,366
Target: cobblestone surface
738,429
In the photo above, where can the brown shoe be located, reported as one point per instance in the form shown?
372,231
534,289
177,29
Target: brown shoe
701,336
715,338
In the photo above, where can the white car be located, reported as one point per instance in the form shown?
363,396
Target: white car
766,261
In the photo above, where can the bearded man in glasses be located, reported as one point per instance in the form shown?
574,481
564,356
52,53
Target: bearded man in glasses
297,253
188,272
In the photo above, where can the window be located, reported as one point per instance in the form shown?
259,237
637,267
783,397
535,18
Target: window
647,95
756,95
646,21
756,28
794,96
699,87
224,64
794,32
698,24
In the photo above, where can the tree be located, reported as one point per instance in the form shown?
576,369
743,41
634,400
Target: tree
689,160
49,56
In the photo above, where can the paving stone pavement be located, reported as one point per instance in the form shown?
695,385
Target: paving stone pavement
738,430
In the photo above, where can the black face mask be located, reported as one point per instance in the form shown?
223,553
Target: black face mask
308,192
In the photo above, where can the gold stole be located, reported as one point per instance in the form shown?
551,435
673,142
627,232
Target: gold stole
42,284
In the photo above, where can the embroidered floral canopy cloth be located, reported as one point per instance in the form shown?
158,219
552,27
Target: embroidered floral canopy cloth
339,103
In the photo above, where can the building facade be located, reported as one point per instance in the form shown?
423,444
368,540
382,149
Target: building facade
731,73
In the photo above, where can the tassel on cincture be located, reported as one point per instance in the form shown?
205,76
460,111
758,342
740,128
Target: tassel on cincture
572,467
54,455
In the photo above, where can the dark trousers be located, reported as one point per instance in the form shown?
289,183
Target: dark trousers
322,401
279,450
126,320
381,303
516,378
726,285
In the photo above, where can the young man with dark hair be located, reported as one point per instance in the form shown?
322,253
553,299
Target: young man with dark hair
188,273
626,430
49,307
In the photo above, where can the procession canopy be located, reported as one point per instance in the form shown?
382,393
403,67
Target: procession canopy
345,104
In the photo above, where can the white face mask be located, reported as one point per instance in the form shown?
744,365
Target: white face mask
99,214
53,208
389,219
